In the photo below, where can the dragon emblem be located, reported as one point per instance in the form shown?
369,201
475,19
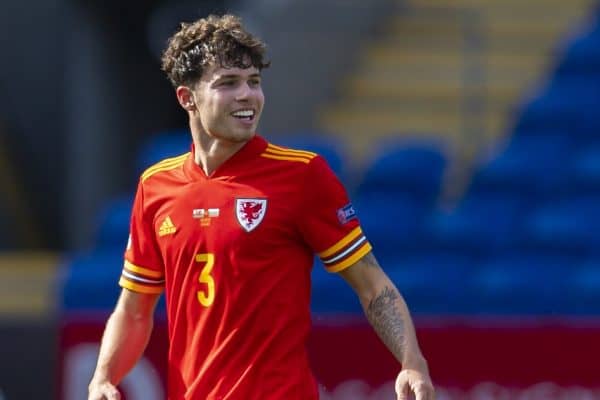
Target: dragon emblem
250,212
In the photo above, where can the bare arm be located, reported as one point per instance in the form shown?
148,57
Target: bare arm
126,335
388,313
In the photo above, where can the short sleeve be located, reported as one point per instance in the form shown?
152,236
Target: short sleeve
328,221
143,270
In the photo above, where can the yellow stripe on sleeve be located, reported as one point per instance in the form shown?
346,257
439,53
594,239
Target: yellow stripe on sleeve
296,159
167,161
360,253
143,271
136,287
164,165
162,169
283,151
356,232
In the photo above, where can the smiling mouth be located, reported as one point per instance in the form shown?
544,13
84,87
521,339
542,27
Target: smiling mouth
244,115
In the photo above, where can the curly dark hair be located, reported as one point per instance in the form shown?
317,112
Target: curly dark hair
215,40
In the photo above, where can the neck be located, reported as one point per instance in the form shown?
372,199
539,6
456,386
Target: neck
211,152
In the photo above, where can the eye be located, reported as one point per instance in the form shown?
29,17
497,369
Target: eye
254,82
228,83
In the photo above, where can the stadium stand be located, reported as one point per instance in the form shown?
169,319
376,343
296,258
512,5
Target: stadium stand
453,69
529,212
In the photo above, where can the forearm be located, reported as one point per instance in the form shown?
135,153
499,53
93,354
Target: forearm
123,343
388,313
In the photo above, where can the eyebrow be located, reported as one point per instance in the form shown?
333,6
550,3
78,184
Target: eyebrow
235,76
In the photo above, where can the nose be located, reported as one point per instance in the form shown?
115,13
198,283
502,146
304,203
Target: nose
244,92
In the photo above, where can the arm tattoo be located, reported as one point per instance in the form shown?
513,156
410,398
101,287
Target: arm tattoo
385,317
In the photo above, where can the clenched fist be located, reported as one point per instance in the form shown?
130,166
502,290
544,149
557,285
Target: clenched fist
103,391
415,382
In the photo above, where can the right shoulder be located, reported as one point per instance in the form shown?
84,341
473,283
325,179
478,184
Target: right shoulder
166,166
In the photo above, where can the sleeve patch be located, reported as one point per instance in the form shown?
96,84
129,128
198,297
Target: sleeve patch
346,214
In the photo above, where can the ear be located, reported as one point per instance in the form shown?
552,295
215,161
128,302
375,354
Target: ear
185,98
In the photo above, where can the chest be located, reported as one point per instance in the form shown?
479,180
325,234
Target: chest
216,216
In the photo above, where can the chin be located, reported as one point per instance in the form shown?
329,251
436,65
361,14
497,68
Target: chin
243,136
235,134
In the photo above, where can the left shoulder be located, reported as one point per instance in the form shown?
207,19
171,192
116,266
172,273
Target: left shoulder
281,154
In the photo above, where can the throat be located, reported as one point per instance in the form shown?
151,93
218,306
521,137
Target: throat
213,156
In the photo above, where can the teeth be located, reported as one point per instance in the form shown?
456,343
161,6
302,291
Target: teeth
244,113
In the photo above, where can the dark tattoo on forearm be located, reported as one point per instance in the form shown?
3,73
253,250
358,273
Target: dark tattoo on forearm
385,317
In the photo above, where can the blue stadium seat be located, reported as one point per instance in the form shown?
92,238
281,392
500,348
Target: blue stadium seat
584,288
584,172
481,223
113,223
162,145
398,190
569,224
555,108
570,101
581,56
522,284
415,168
568,104
433,283
391,221
531,165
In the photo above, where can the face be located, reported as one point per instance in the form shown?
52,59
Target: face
228,103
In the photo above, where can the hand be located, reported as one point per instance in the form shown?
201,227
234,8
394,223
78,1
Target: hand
412,381
103,391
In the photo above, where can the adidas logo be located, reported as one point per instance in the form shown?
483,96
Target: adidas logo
167,227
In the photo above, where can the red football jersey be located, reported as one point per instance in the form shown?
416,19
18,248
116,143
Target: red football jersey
233,252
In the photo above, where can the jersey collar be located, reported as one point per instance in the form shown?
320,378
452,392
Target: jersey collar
234,165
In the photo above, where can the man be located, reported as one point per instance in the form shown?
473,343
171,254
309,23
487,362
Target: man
229,231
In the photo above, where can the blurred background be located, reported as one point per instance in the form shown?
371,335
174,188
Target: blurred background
466,131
